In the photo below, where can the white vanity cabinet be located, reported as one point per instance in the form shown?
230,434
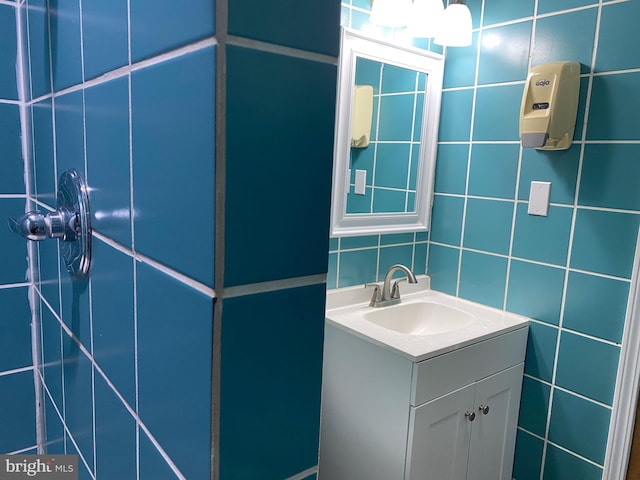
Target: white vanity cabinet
453,416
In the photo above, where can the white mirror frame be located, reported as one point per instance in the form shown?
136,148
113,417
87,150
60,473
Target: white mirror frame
355,44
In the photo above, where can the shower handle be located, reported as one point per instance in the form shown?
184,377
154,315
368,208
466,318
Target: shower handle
36,226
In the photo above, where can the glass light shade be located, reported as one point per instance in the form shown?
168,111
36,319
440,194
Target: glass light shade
456,26
425,18
390,13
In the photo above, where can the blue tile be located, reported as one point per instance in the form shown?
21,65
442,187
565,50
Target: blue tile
362,159
389,200
345,16
497,113
547,6
276,437
360,203
422,236
419,259
357,267
451,168
15,329
569,429
493,170
173,144
332,271
12,166
333,244
587,366
8,85
461,66
541,351
158,26
69,111
389,256
498,11
39,58
528,457
183,355
359,242
43,166
64,19
83,470
75,306
417,119
270,106
504,52
107,132
18,412
78,397
535,291
582,106
483,278
360,21
396,118
392,165
488,225
534,406
617,25
398,79
560,465
113,322
566,37
14,247
455,116
608,174
54,431
614,93
49,283
105,36
305,25
52,355
443,268
604,242
152,463
558,167
368,72
545,239
596,306
396,238
115,434
446,219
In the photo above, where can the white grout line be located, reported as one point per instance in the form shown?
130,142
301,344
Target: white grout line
281,50
22,451
126,70
304,474
271,286
16,370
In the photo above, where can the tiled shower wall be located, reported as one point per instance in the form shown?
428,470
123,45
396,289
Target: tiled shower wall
569,271
17,396
141,97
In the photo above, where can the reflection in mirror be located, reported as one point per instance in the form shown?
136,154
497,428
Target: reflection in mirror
386,133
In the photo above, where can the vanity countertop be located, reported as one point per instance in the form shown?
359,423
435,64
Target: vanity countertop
346,308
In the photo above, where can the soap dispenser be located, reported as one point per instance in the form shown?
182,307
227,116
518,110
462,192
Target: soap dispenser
549,106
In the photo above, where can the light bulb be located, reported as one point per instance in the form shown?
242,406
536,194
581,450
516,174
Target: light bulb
456,26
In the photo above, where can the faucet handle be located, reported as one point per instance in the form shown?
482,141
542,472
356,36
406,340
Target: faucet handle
377,294
395,288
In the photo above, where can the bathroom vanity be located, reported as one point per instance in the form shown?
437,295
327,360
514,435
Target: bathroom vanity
428,389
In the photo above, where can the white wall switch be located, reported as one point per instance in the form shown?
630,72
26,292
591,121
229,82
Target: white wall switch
361,180
539,198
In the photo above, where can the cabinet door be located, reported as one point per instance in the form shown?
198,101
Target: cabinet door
439,436
494,433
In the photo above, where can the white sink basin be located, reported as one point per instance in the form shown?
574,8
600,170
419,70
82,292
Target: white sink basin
420,318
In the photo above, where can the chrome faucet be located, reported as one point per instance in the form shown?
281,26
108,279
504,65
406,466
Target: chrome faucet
390,294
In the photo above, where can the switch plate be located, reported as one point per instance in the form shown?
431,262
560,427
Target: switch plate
539,198
361,180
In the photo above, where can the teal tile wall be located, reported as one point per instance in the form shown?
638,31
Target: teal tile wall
570,271
134,95
17,392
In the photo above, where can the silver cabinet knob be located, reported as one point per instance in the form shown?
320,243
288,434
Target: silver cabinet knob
484,409
471,416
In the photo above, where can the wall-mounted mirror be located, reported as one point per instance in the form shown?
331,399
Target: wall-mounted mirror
386,137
